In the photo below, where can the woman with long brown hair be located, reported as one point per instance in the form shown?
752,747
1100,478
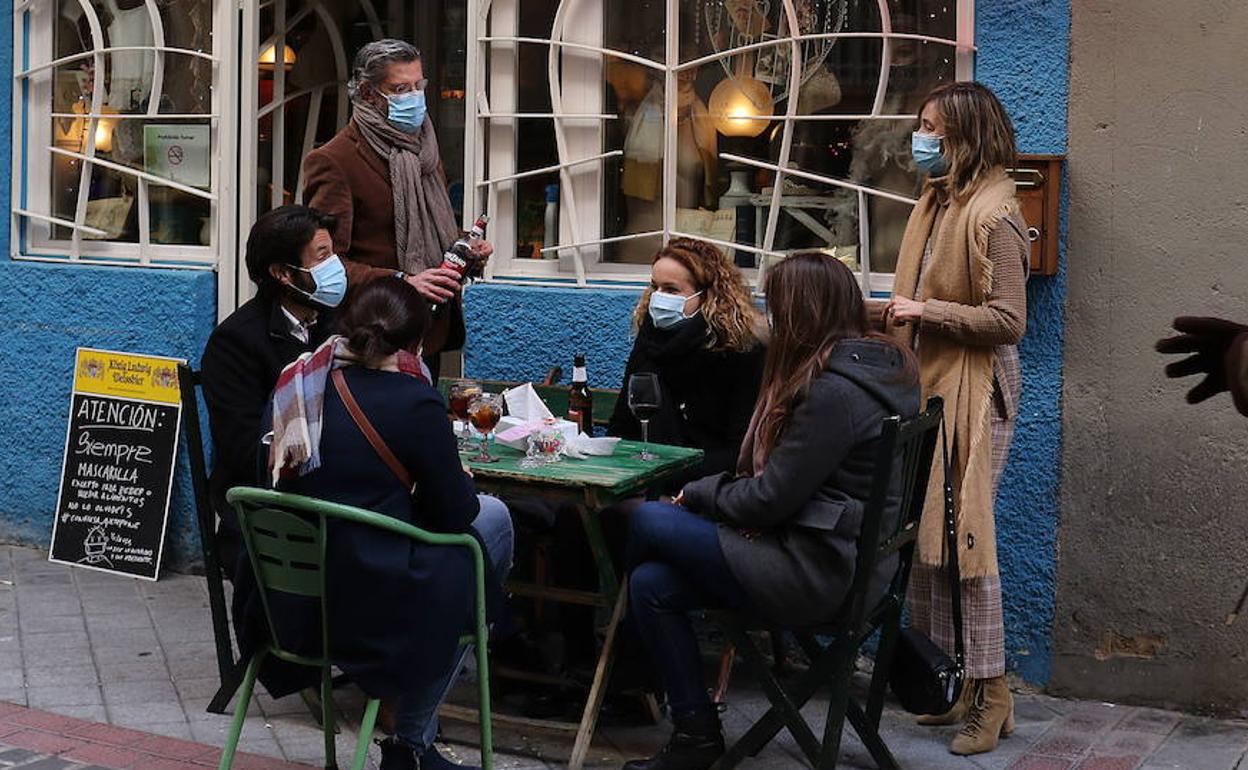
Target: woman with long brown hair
778,536
697,329
960,300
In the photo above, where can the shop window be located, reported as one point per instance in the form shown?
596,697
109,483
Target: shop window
597,130
117,131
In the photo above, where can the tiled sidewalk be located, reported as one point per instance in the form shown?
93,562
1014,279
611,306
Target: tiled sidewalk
138,655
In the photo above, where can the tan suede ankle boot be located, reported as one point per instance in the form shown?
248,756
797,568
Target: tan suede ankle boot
989,718
955,715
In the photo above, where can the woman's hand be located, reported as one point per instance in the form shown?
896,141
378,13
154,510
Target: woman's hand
901,311
467,470
679,499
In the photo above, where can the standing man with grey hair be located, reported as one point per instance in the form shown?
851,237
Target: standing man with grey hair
382,180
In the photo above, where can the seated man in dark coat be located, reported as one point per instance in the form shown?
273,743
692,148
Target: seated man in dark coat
290,258
396,608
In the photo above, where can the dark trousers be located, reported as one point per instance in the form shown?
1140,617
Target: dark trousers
677,566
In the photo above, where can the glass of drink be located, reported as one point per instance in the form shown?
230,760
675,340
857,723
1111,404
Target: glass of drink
462,393
644,399
484,412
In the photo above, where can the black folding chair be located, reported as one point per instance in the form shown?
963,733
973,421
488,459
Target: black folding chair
913,443
230,669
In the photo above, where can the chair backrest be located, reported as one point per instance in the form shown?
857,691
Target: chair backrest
188,384
189,381
903,466
286,539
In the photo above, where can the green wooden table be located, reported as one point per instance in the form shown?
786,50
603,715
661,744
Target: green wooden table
590,485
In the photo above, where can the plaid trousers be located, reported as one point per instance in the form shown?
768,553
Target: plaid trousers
983,620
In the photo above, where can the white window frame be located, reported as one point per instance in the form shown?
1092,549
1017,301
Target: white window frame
576,44
31,215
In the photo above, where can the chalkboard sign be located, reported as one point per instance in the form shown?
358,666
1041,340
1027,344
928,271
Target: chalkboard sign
119,460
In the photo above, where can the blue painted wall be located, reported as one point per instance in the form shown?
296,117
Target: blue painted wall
46,311
519,332
1024,48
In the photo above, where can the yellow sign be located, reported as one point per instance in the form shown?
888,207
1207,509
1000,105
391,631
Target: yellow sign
147,378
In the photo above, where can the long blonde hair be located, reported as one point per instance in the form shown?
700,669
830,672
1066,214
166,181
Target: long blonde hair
978,133
731,318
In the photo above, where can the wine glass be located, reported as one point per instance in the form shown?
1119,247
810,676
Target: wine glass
644,400
484,411
462,393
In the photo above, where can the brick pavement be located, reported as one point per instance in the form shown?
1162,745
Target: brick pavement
102,653
39,740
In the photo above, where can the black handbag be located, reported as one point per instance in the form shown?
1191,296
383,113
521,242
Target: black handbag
923,676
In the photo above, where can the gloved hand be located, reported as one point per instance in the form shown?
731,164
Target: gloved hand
1219,350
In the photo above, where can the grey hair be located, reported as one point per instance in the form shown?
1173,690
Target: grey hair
373,59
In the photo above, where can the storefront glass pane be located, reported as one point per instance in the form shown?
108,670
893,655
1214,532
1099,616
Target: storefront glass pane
175,147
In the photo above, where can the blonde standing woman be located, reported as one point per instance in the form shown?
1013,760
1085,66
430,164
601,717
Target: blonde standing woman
960,300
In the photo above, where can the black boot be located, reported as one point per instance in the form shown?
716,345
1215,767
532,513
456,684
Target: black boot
397,754
696,744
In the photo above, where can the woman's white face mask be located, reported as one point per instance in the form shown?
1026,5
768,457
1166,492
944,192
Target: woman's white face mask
667,310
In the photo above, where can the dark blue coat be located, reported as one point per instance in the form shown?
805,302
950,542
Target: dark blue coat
396,607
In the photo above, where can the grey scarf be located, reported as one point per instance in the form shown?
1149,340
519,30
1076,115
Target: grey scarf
424,224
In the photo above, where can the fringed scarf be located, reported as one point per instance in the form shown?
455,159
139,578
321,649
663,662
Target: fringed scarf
958,270
424,223
299,401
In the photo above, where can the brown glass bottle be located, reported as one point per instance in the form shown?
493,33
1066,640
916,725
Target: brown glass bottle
580,400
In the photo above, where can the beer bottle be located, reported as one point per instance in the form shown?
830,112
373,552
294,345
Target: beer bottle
459,257
580,400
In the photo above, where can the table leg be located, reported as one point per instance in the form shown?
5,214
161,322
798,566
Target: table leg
608,583
598,689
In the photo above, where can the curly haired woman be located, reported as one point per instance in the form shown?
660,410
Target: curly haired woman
697,329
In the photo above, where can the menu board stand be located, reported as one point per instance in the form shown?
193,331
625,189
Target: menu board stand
117,474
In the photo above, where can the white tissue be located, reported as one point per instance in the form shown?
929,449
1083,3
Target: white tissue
584,446
524,404
526,412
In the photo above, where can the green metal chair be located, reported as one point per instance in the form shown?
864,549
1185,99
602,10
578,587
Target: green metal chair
285,537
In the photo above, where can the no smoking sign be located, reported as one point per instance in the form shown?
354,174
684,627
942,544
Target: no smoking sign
180,153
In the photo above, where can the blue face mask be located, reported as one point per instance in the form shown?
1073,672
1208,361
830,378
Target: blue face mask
330,278
927,154
667,310
407,111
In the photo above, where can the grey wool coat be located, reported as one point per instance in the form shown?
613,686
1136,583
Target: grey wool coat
802,515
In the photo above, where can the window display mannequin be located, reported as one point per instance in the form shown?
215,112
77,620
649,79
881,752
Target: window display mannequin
642,178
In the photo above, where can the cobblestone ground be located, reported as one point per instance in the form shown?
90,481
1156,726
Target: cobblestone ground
109,673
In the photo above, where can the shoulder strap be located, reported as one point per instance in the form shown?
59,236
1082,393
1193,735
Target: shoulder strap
951,547
370,433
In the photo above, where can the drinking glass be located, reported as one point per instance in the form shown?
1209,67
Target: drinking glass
484,411
644,400
462,393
